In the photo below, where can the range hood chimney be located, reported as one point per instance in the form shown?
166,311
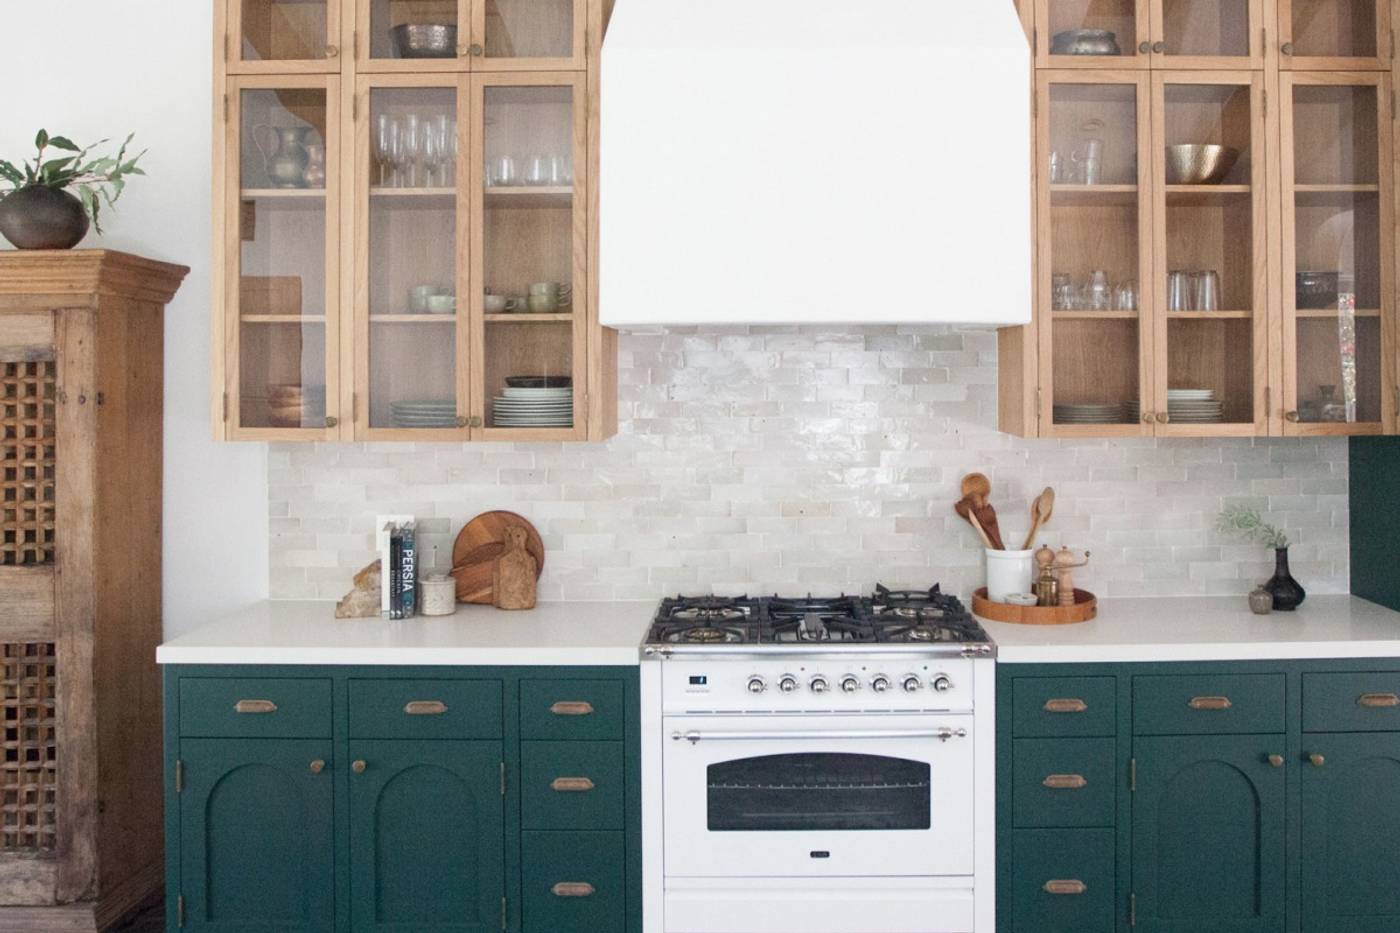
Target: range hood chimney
815,161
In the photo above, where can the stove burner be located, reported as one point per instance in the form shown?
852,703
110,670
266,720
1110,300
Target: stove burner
711,635
709,614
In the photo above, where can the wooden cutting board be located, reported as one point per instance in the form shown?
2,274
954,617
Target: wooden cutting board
481,541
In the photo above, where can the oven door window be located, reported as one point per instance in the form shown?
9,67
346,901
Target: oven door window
817,791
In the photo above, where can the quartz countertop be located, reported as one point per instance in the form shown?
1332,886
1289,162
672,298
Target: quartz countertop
307,632
1206,629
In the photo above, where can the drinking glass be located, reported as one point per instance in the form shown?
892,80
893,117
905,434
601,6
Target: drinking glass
412,147
1057,168
1178,290
432,156
1207,290
386,133
503,172
537,173
1100,295
1061,292
1125,297
560,172
446,129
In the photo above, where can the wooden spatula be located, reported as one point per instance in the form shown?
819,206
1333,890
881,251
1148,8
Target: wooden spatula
965,510
977,488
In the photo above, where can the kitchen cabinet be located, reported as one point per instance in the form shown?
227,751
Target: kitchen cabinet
382,221
1142,34
1246,796
391,798
1335,35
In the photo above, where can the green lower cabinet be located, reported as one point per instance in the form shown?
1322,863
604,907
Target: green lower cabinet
1351,833
1064,881
256,820
427,836
573,882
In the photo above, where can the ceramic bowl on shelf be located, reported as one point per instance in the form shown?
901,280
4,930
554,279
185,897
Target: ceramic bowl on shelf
1085,42
1199,163
425,40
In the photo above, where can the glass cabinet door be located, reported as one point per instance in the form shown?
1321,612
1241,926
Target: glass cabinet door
284,36
1092,33
414,35
1210,262
412,140
1208,34
282,209
1335,35
1337,253
1094,253
529,256
530,33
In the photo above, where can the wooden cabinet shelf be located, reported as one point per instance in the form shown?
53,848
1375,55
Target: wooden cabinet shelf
269,194
282,319
523,318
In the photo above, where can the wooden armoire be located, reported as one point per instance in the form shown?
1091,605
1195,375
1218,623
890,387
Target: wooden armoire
81,363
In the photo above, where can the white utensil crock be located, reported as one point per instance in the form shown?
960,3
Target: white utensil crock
1008,572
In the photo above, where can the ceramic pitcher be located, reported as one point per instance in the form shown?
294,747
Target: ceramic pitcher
285,158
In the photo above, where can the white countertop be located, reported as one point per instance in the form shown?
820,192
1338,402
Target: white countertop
307,632
1206,629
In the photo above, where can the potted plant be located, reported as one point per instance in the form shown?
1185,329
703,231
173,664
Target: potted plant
41,212
1288,594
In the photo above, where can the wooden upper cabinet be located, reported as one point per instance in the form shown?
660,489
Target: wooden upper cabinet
1208,34
283,36
1150,34
1335,35
1093,33
464,35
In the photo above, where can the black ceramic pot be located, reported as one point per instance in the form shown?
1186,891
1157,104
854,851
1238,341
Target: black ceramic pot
42,218
1287,592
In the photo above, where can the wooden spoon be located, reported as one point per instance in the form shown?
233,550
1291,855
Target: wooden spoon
977,487
1042,507
964,509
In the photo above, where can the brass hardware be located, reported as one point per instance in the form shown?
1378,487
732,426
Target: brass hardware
1132,775
572,889
1163,417
571,784
1147,417
463,421
1145,47
358,766
503,779
1268,390
332,51
180,911
1286,48
1292,416
1064,781
179,776
1264,40
355,43
1159,47
255,706
225,409
355,107
332,421
476,51
572,708
1132,910
1378,700
1265,106
1276,761
318,766
1317,760
1065,886
1212,703
474,421
1067,705
503,913
425,707
225,108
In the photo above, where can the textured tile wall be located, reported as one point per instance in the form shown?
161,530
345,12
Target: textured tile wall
814,459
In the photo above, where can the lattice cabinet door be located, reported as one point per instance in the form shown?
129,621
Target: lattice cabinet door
27,395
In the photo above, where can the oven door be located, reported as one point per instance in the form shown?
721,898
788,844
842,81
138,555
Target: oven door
790,796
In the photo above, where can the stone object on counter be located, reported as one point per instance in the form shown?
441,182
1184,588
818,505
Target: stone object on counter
363,601
1261,601
516,571
439,594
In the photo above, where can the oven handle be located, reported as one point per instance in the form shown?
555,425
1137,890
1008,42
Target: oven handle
943,734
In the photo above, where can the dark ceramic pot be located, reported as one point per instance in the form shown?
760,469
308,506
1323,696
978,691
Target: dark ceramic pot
1287,592
42,218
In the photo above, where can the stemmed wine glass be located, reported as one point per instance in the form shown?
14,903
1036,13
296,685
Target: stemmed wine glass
386,135
447,150
412,138
432,156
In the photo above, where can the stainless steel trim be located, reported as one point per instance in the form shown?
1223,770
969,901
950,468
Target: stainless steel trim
943,733
787,653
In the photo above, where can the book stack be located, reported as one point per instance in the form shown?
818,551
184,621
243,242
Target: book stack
399,560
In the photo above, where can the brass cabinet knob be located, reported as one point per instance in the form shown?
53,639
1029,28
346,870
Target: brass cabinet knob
1163,417
358,766
463,421
318,766
474,421
1159,47
1286,48
474,50
1292,416
332,421
1145,48
1276,761
1317,760
332,51
1147,417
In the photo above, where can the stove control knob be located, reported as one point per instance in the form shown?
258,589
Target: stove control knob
756,684
942,683
911,682
850,683
879,683
818,684
787,683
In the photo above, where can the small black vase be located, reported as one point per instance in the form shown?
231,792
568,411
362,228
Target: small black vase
39,217
1287,592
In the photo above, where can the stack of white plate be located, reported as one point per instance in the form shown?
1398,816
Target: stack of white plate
424,413
1089,414
1194,406
533,408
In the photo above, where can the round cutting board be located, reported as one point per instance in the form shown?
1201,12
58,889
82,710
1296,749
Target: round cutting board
480,542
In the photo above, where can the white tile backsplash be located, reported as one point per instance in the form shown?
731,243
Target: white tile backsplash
795,459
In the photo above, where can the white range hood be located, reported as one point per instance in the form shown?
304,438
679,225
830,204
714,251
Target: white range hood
815,161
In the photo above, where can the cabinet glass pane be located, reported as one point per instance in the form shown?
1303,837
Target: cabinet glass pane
1093,28
1337,227
1208,284
1206,27
412,284
414,29
282,259
529,248
283,30
1334,28
529,28
1095,285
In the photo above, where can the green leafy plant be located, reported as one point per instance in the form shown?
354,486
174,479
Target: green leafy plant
96,180
1238,520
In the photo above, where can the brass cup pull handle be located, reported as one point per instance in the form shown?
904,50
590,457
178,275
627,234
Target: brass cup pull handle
318,766
572,889
425,708
1210,703
255,706
1065,886
1066,705
1317,760
1378,700
572,784
358,766
572,708
1064,781
1275,761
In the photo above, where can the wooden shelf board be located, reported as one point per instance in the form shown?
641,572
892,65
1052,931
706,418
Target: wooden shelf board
430,193
1336,189
1208,189
1094,315
283,193
413,318
283,319
1093,194
1209,315
524,318
529,197
1332,312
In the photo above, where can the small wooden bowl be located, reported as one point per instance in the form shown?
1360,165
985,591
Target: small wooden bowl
1086,607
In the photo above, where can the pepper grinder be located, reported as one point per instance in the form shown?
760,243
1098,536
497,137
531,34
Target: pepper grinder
1064,564
1046,586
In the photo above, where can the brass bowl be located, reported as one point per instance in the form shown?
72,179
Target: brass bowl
425,40
1199,164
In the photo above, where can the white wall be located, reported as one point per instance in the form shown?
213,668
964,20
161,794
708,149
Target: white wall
89,69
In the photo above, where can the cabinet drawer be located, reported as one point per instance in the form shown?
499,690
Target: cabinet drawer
1064,706
255,707
1208,704
1351,702
571,785
1063,782
1063,881
425,709
572,882
571,709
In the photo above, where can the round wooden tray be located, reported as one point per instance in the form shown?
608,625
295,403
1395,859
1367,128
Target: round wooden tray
1085,607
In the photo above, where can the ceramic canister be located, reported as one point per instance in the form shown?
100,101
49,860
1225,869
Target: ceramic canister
439,595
